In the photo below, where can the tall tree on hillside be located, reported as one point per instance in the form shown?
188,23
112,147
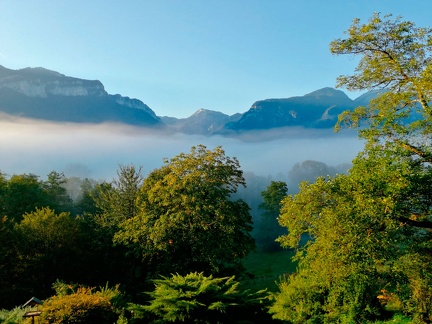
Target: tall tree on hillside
117,199
57,195
114,203
371,229
268,228
187,221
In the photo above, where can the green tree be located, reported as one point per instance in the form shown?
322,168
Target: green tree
186,220
23,194
47,249
396,58
195,298
370,229
57,196
268,228
396,61
117,200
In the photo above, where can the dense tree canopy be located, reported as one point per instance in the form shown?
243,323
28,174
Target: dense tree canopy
186,219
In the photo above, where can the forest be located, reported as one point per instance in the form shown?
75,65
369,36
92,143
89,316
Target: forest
184,243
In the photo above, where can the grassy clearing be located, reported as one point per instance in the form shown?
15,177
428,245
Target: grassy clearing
265,269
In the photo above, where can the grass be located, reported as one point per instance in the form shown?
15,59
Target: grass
396,319
265,269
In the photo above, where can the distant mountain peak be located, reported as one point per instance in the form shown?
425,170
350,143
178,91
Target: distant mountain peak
200,111
327,92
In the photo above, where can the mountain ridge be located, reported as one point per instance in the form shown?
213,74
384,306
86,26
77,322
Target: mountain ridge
40,93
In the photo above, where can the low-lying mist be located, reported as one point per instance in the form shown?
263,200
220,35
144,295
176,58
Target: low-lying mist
95,151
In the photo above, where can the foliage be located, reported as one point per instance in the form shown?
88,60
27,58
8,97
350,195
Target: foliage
187,220
82,305
47,247
396,61
371,229
195,298
14,316
23,193
359,235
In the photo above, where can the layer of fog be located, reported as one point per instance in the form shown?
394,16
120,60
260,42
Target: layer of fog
95,151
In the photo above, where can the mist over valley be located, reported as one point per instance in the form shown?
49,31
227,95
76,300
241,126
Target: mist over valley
96,150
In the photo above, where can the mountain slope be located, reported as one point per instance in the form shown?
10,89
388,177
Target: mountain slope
43,94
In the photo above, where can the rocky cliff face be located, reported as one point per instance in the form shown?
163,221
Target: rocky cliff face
44,94
39,82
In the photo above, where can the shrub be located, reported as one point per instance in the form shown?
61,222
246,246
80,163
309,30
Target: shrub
83,305
200,299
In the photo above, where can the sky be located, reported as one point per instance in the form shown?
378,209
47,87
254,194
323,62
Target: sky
179,56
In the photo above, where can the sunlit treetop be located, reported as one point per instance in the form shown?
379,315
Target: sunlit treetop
396,60
395,55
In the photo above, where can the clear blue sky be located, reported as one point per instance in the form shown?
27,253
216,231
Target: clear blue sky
181,55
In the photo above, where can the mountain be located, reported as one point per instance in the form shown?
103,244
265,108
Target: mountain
202,122
318,109
43,94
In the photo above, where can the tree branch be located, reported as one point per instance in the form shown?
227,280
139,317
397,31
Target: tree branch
421,224
427,157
